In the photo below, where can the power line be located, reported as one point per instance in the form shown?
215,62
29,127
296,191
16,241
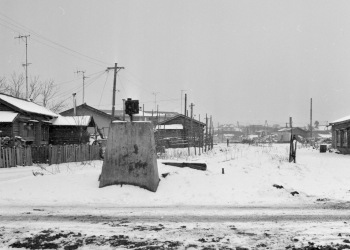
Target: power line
24,28
103,89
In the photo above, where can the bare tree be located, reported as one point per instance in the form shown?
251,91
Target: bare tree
3,85
43,92
34,88
16,85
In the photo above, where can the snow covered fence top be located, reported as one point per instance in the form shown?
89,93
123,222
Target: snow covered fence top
7,116
26,105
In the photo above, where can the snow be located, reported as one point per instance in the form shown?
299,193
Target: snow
201,208
71,120
249,175
170,126
343,119
7,116
27,105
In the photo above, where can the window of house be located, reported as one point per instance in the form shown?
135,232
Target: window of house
345,138
45,133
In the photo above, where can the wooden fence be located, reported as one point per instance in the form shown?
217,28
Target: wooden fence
50,154
12,157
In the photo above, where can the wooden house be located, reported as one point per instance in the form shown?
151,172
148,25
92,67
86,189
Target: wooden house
101,118
70,129
341,134
181,127
25,119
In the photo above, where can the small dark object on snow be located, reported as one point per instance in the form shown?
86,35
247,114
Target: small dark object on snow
294,193
194,165
165,175
346,241
278,186
37,173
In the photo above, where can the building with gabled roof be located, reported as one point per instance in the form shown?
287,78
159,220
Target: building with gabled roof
341,134
101,118
181,127
70,129
24,118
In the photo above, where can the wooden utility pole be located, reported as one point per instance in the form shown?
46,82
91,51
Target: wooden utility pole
311,118
211,133
182,90
26,64
185,104
206,133
116,70
192,134
84,77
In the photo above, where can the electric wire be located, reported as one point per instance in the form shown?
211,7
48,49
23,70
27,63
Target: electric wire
103,89
26,29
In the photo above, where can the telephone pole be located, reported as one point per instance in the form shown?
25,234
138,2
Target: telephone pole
182,90
116,70
26,64
155,99
311,118
191,105
83,73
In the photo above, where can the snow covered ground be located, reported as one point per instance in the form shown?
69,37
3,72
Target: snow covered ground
255,179
249,175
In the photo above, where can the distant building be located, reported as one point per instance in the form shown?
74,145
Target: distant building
284,134
181,127
153,116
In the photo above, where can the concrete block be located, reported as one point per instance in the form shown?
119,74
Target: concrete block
130,156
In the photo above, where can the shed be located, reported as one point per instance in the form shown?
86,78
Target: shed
70,129
183,128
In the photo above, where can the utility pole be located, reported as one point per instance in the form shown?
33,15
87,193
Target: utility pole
74,105
182,90
84,77
155,99
311,118
116,70
26,64
185,104
191,105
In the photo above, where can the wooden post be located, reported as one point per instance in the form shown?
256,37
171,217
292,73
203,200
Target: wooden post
206,133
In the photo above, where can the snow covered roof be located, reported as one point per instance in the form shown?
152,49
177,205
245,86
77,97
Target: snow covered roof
170,126
27,106
71,120
7,116
346,118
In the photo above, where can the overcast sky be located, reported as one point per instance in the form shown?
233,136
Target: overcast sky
246,61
